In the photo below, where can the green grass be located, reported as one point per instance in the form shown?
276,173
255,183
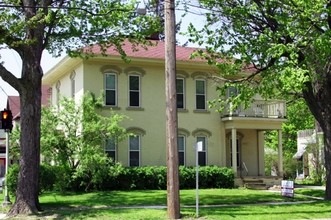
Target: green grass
235,204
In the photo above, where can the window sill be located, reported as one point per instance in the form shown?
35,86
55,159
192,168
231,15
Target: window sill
182,110
135,108
201,111
111,107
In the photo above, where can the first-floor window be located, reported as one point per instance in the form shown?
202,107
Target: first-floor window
202,155
181,150
110,149
134,151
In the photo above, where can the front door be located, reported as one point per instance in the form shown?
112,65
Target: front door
238,152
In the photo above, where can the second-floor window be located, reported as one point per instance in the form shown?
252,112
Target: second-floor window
200,94
180,87
134,91
110,89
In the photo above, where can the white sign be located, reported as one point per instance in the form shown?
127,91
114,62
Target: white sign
287,188
199,146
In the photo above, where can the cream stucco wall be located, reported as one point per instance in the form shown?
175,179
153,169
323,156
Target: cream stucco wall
150,117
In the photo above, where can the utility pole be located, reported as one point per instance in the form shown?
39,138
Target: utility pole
173,204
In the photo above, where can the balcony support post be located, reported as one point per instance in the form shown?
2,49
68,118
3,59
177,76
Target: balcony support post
280,153
234,150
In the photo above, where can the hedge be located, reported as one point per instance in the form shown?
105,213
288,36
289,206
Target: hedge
128,178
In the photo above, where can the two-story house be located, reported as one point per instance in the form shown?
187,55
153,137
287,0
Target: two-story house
137,89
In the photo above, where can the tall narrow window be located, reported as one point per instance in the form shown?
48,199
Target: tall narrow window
202,155
200,94
181,150
110,148
134,151
134,91
110,89
180,87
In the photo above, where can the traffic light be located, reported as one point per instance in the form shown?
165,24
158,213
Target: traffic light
6,120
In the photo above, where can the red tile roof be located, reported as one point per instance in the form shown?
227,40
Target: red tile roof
13,102
155,51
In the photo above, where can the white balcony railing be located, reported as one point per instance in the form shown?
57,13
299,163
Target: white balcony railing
259,108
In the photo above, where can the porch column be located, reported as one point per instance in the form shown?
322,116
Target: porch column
234,150
280,153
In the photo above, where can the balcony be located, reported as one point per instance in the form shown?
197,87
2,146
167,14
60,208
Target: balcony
259,109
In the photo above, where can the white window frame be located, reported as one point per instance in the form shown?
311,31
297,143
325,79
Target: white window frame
139,91
202,94
109,89
139,150
73,84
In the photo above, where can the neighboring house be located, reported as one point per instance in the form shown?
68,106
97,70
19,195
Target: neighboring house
13,104
137,89
309,152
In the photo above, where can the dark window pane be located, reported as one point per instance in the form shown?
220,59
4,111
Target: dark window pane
181,158
180,101
111,154
202,158
134,158
134,83
110,81
200,87
134,98
200,102
180,85
110,97
134,143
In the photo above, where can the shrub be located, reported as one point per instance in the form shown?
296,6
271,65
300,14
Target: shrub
47,178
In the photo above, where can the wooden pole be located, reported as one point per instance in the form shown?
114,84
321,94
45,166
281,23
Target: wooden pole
173,204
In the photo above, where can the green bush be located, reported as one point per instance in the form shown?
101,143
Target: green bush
62,179
48,177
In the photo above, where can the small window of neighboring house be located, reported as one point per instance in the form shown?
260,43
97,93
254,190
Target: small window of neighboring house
72,79
200,94
57,86
180,87
134,150
134,91
181,150
111,89
110,149
202,155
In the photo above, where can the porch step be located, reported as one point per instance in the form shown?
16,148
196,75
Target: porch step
254,184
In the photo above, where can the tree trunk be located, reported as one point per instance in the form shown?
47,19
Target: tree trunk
318,98
173,204
30,111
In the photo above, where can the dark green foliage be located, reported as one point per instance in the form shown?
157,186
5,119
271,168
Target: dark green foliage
11,179
49,175
117,177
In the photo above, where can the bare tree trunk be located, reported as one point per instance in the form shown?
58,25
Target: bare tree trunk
171,112
28,179
318,98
